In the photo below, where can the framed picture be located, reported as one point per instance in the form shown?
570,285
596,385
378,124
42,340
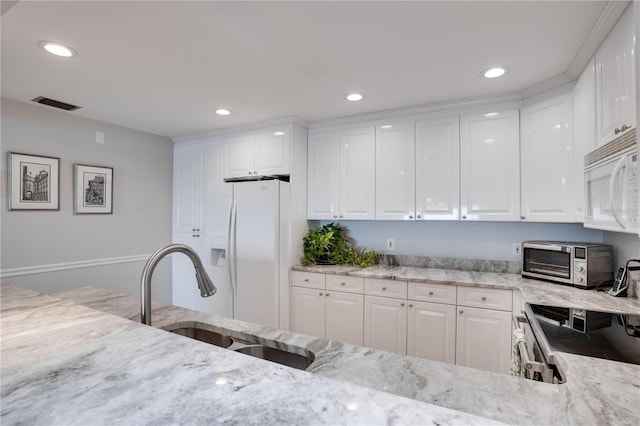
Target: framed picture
93,189
34,182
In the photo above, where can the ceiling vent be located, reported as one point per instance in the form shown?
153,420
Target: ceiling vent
56,104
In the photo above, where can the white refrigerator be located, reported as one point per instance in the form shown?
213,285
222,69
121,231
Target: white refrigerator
247,251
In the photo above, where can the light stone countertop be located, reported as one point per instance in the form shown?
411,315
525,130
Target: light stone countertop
66,364
596,392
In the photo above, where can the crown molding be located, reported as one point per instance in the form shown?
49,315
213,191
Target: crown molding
608,19
283,121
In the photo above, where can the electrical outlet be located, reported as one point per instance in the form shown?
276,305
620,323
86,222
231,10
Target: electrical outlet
391,244
515,249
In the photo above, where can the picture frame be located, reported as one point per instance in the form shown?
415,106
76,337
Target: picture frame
33,182
93,189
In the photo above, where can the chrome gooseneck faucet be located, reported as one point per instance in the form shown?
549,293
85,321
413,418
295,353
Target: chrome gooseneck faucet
204,282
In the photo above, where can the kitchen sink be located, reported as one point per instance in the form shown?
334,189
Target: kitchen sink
279,356
203,335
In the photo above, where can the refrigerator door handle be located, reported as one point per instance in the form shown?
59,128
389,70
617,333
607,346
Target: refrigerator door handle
232,248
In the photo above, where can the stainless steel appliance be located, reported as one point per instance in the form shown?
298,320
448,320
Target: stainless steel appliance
583,265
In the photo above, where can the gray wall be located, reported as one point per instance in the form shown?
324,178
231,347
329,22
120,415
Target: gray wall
54,250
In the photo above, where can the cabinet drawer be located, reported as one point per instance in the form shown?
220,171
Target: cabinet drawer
436,293
487,298
386,288
345,283
307,279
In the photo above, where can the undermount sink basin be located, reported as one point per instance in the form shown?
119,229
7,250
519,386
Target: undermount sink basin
206,336
279,356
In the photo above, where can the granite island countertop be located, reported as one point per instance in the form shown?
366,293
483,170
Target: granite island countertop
596,392
63,363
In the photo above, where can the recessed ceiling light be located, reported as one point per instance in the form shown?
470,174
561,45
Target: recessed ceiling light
57,49
278,133
491,114
223,111
386,126
494,72
353,97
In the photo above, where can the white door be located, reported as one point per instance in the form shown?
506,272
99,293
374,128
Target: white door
546,161
395,172
584,133
344,317
254,252
438,169
385,324
490,166
184,287
323,194
187,189
272,153
239,156
431,331
357,174
615,80
484,339
308,311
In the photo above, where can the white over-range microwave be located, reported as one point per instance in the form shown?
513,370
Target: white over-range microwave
611,178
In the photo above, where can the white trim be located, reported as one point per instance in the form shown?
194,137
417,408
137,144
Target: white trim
55,267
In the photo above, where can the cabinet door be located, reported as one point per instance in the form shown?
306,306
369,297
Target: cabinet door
324,179
431,331
385,324
584,133
615,80
239,156
438,169
184,287
344,317
307,311
484,339
357,174
546,161
490,166
187,189
395,172
272,153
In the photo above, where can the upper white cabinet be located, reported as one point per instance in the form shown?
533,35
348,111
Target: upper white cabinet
489,161
615,81
257,154
395,172
194,166
584,133
342,175
437,160
546,164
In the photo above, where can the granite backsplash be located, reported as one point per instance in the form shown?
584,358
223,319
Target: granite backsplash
479,265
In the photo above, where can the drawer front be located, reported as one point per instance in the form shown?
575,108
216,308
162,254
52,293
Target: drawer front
307,279
345,283
436,293
487,298
385,288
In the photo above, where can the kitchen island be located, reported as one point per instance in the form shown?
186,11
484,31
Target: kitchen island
596,391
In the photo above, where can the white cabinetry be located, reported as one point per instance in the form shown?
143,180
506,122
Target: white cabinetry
342,175
438,169
584,133
489,161
257,154
395,172
317,309
546,164
385,324
615,81
483,338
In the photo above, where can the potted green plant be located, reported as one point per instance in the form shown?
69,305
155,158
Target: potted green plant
327,246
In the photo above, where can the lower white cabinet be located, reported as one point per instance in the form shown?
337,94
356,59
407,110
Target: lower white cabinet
385,324
461,325
483,339
431,331
334,315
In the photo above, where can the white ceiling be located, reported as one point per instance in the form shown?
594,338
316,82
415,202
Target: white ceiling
164,66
